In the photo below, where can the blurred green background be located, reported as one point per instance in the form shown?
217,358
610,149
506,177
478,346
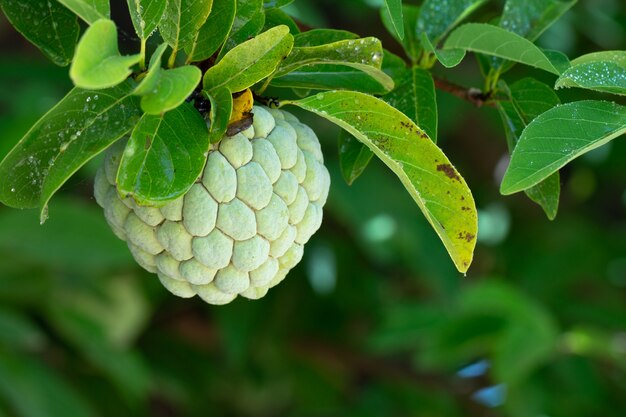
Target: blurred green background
375,321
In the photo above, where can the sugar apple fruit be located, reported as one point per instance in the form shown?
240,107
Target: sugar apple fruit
242,225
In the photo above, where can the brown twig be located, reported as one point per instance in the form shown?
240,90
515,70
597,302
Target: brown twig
472,95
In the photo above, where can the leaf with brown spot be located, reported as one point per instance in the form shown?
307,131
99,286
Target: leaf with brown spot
398,142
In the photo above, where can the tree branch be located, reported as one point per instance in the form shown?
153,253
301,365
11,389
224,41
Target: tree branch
472,95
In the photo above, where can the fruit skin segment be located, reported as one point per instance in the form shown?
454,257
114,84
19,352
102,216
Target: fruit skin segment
242,226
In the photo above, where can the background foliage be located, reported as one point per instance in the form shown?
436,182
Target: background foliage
374,321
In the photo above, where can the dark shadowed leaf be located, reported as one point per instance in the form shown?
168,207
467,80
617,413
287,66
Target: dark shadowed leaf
530,98
354,156
530,18
276,17
38,21
317,37
221,109
272,4
437,18
559,59
414,95
546,193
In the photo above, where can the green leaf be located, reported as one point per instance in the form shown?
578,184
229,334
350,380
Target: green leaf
48,393
546,194
39,21
182,21
437,18
558,136
393,65
414,95
356,53
365,78
618,57
89,10
250,62
530,18
394,9
172,87
78,128
559,59
435,185
498,42
164,156
221,109
449,58
249,22
98,63
271,4
149,82
354,156
146,15
603,71
276,17
317,37
530,98
214,31
410,43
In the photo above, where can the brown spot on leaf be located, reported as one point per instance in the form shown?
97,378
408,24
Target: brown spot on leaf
467,236
148,142
449,171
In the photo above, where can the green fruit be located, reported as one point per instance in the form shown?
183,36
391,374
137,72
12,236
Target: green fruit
242,226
